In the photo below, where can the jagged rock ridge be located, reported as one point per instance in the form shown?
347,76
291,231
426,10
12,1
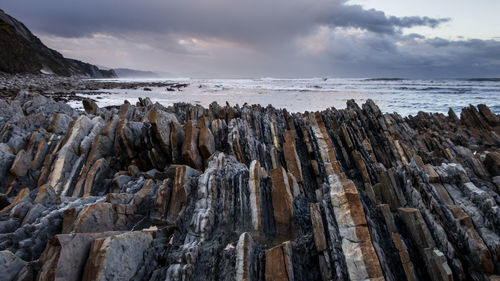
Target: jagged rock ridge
146,192
23,52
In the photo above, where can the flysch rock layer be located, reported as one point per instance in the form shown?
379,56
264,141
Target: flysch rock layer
147,192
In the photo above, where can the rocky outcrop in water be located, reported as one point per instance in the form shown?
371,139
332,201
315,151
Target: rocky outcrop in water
145,192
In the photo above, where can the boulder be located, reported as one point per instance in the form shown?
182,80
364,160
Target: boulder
65,256
116,257
21,165
492,163
90,106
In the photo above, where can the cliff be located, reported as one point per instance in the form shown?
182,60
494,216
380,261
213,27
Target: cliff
144,192
23,52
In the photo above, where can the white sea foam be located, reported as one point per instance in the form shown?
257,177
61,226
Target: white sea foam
298,95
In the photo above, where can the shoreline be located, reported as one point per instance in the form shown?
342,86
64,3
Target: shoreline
248,190
406,98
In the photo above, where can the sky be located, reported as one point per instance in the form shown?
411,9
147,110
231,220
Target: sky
278,38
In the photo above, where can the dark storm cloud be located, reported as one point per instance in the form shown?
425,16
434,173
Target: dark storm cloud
250,21
253,38
377,21
414,56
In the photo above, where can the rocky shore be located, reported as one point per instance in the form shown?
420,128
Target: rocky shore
66,88
145,192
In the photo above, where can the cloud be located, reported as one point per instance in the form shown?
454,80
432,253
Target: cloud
376,21
252,38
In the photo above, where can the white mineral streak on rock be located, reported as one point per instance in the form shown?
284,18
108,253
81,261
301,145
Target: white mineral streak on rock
68,151
202,220
243,258
254,186
362,262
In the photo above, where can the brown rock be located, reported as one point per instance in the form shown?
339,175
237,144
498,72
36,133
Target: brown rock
190,152
123,112
90,106
98,217
417,227
20,196
59,124
433,176
291,157
282,199
45,193
183,175
116,257
162,201
65,256
388,218
21,164
405,257
279,265
487,114
92,177
492,163
318,230
206,142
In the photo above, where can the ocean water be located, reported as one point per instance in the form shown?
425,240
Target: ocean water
406,97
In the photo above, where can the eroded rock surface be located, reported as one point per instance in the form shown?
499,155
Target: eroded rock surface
146,192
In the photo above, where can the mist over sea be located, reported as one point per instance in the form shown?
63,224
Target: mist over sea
404,96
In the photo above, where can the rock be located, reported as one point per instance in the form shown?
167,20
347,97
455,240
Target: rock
21,164
67,154
101,217
180,191
4,202
279,265
59,124
66,255
10,265
291,157
24,193
206,142
255,195
161,125
6,159
318,230
355,193
244,251
405,257
492,163
190,152
90,106
116,257
282,201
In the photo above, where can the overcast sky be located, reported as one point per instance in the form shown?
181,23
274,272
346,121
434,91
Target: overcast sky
278,38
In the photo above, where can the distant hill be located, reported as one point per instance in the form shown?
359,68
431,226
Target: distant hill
132,73
22,52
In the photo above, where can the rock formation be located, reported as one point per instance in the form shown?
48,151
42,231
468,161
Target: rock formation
22,52
147,192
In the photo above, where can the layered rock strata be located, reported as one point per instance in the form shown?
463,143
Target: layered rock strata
147,192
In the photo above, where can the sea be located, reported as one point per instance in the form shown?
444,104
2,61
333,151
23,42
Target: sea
404,96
